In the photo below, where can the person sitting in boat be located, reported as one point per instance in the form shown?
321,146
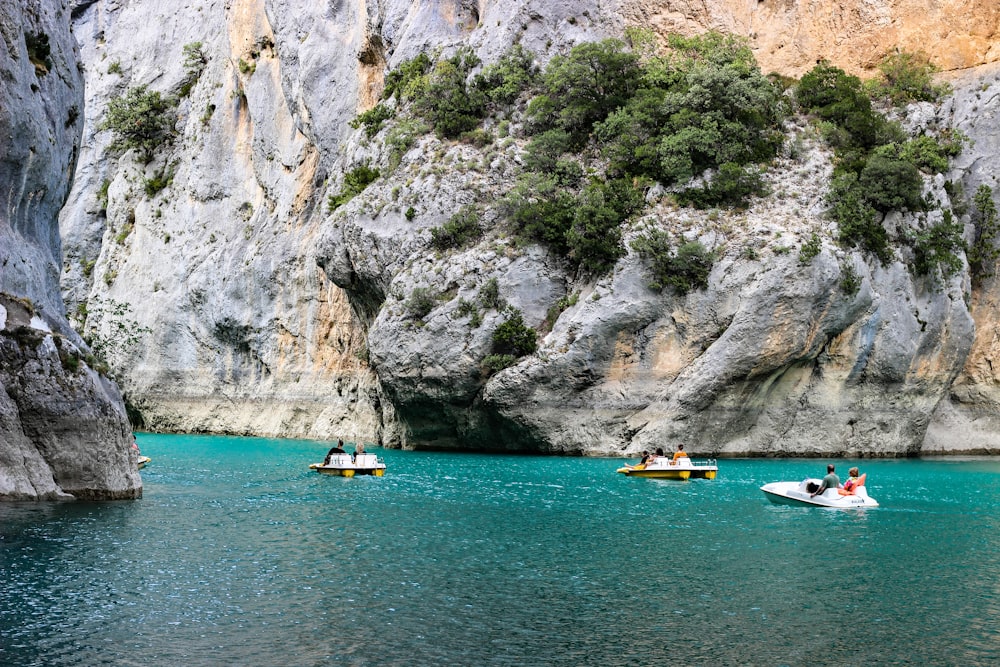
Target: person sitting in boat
831,481
642,462
655,455
680,453
360,449
852,483
339,449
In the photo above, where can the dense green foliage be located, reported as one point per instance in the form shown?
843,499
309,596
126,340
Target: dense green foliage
935,248
195,62
503,81
683,268
878,170
983,251
372,119
514,337
355,181
908,77
705,106
421,302
460,230
142,120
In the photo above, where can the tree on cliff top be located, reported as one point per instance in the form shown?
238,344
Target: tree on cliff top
142,119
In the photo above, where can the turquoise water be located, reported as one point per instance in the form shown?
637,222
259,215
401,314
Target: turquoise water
238,554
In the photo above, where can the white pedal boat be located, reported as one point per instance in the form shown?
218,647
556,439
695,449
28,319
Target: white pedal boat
665,468
799,493
345,466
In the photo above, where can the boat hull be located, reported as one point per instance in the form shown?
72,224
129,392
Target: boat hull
797,494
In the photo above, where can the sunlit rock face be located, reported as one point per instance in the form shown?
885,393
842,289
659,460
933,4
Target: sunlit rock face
63,430
257,310
789,36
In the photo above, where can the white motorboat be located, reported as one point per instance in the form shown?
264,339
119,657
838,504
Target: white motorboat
347,466
663,467
800,493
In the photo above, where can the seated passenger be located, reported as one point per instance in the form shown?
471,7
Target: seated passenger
360,449
831,481
339,449
680,453
658,454
642,462
852,483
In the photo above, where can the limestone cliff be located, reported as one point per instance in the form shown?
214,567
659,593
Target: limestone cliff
63,430
261,312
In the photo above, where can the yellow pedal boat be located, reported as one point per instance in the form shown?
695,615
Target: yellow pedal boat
346,466
662,467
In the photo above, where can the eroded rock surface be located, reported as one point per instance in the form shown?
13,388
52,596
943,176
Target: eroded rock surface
63,430
263,312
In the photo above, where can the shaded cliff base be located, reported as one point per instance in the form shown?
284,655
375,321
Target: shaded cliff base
63,434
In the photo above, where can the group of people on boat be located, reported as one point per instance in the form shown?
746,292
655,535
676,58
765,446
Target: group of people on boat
832,481
648,458
339,449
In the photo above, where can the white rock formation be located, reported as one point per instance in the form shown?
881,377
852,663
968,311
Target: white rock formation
258,311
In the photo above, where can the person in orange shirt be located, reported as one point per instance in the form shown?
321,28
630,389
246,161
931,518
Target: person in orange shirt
680,453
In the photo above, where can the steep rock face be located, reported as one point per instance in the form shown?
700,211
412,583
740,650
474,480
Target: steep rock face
259,311
239,330
63,431
788,36
967,420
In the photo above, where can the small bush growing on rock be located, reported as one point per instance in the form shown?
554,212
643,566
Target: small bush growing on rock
935,249
447,102
594,238
503,81
373,119
513,337
494,363
408,79
421,302
850,281
983,251
810,249
685,269
461,229
39,51
909,77
489,295
355,181
930,154
142,119
732,186
195,62
891,183
859,222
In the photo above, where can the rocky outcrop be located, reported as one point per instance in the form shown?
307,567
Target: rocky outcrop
260,311
63,430
788,36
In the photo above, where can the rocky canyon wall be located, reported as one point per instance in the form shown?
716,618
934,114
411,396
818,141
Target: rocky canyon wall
63,430
258,310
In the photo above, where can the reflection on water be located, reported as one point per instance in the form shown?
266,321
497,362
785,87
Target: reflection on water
238,554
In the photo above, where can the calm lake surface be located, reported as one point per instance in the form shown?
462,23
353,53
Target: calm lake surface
238,554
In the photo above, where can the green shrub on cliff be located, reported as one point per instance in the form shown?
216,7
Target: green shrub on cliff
460,229
142,119
908,77
983,252
684,268
356,180
936,249
514,337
